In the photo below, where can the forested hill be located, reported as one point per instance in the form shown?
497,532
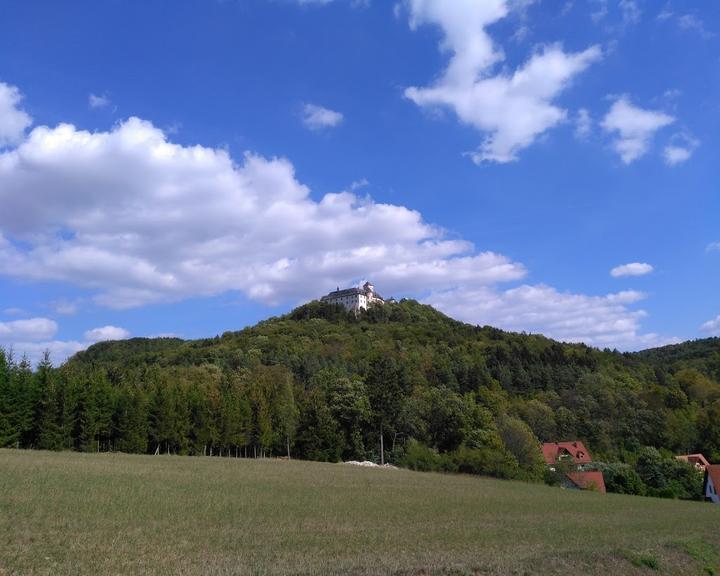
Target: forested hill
324,384
702,355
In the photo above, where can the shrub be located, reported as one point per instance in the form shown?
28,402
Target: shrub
487,462
420,457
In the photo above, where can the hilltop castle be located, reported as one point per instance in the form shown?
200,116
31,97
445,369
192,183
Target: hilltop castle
354,298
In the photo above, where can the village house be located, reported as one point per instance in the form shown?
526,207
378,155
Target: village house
711,484
354,299
576,452
697,460
575,456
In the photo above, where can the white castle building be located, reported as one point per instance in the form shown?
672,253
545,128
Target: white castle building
354,298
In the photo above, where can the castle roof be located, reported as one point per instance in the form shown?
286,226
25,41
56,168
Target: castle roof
346,292
351,292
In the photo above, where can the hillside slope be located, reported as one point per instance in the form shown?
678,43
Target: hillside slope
322,384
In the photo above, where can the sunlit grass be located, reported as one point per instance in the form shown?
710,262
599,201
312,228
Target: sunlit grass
73,513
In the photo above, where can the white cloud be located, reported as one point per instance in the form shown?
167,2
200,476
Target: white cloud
30,329
676,154
602,321
318,117
712,327
713,247
106,333
13,120
138,219
60,350
583,124
632,269
511,108
680,149
95,101
635,128
34,336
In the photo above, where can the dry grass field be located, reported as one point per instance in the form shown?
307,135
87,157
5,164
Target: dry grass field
68,513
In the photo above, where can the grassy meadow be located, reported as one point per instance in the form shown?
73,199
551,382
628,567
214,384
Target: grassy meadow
70,513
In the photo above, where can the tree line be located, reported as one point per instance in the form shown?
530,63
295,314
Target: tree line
399,383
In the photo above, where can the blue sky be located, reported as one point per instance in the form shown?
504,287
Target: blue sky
193,167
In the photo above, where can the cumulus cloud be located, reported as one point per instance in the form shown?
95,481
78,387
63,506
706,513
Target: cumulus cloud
106,333
713,247
13,120
712,327
632,269
30,329
59,350
34,336
318,117
137,219
31,337
602,321
134,219
511,108
634,128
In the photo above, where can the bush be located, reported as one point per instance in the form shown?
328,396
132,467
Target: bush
482,461
420,457
486,461
622,479
654,476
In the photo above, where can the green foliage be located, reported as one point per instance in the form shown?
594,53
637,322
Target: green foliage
622,479
326,384
422,458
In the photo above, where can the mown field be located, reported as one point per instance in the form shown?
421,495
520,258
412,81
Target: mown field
71,513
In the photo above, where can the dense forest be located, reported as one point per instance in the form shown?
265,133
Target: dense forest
400,383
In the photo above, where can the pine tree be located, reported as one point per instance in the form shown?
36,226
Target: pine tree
47,419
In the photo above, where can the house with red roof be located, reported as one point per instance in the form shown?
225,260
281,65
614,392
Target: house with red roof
573,455
575,452
585,480
697,460
711,485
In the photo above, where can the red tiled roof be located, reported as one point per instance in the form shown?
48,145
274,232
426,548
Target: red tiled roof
592,480
552,451
713,471
697,459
